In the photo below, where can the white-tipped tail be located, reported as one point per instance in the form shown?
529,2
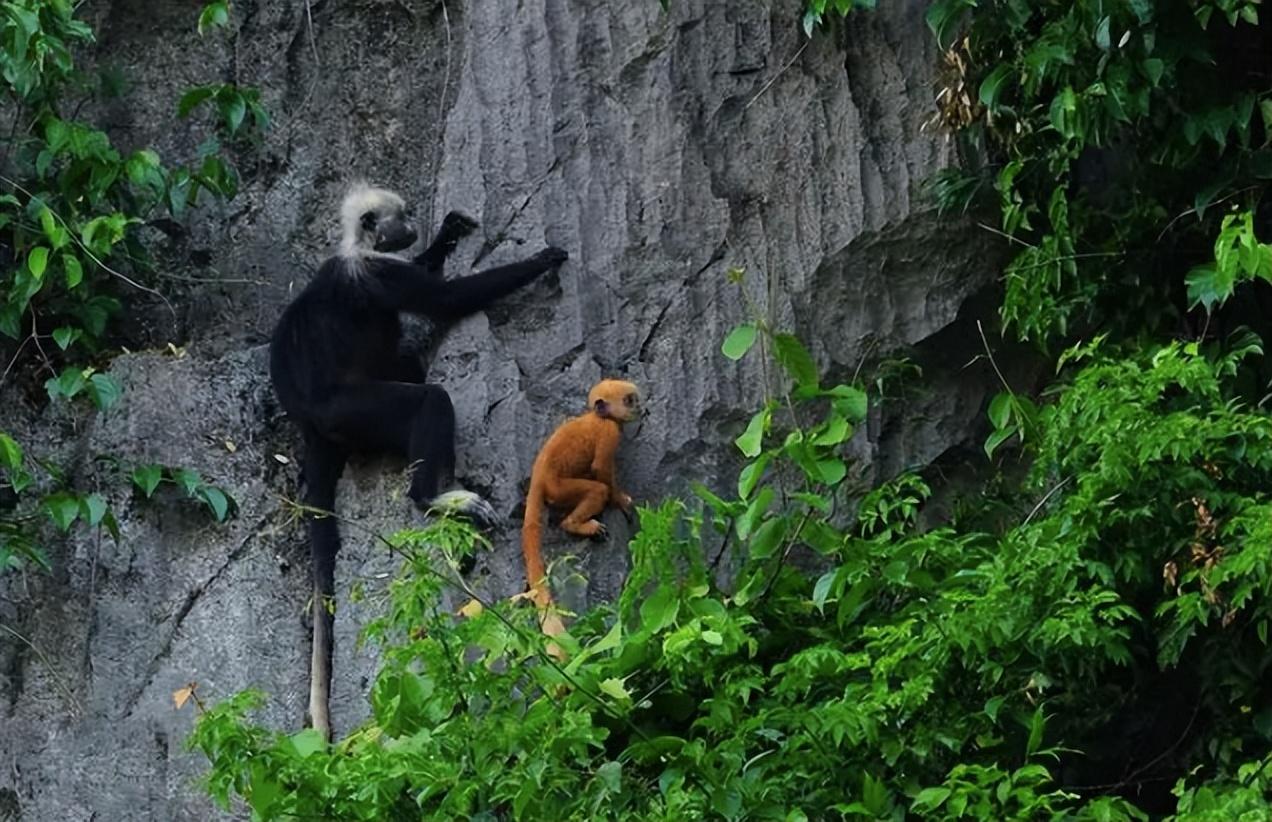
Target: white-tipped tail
465,504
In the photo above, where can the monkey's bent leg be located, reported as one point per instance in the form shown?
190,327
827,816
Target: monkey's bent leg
416,421
587,498
410,419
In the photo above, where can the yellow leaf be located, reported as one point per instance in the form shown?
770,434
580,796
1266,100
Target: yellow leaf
182,695
470,609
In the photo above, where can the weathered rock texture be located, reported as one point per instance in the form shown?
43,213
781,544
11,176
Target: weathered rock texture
661,149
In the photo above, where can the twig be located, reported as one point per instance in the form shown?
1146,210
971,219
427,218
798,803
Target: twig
1005,235
57,677
1186,212
441,102
14,360
990,356
773,79
313,42
1044,499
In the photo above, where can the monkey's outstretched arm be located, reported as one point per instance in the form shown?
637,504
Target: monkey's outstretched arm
406,287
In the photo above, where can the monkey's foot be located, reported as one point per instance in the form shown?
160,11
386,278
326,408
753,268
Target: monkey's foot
593,529
551,625
464,504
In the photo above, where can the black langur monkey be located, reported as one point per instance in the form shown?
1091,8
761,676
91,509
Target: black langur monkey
336,368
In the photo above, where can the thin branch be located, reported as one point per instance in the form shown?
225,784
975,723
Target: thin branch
313,42
57,677
1044,499
1005,235
1181,215
990,356
774,78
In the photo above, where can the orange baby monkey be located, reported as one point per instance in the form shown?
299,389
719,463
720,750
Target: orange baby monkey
575,471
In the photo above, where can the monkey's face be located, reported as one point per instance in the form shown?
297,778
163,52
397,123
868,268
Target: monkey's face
616,399
389,230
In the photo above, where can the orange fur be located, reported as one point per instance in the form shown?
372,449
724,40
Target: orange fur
575,471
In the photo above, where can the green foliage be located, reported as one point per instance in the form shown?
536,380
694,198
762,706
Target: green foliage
71,216
75,204
1113,129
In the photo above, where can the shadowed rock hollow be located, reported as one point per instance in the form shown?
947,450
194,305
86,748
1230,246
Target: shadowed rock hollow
659,148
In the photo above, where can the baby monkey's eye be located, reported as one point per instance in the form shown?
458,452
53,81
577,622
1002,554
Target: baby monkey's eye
630,399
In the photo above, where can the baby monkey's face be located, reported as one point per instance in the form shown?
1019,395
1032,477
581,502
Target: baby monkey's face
617,399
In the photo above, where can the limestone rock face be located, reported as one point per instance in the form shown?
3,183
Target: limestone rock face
660,148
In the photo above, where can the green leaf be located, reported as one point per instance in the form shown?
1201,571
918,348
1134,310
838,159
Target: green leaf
1207,287
63,509
614,687
821,591
37,261
192,98
93,508
68,384
790,352
992,85
214,15
660,610
104,391
611,773
750,476
65,335
754,512
1036,727
712,638
929,799
832,470
307,742
1000,410
1102,39
1153,69
837,431
850,401
739,341
10,454
216,500
74,271
233,108
751,440
943,17
187,479
147,478
768,537
998,438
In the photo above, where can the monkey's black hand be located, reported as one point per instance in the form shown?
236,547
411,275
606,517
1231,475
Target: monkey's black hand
552,255
457,224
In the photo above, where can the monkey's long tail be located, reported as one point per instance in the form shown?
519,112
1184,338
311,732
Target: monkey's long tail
324,543
532,536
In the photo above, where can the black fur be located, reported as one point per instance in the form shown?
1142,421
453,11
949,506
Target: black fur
336,368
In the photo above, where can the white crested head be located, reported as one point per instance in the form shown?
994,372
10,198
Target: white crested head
356,239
